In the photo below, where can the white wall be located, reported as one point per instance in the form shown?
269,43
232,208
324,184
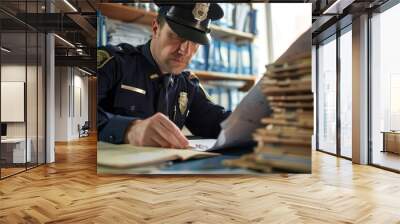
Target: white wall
80,96
260,42
16,73
288,21
33,127
71,93
61,103
10,73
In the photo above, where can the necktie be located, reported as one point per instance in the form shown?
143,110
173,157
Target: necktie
164,97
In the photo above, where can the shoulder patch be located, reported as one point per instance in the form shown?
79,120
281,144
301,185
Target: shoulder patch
102,58
196,80
205,92
192,76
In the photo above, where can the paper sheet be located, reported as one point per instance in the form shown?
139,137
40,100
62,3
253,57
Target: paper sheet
240,125
202,144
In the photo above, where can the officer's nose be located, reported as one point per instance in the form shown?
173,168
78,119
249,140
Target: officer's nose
184,48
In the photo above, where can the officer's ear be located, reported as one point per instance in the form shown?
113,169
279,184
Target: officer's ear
155,27
158,24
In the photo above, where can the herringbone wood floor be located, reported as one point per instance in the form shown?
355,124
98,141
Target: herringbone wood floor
69,191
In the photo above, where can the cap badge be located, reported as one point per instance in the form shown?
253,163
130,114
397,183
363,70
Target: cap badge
200,11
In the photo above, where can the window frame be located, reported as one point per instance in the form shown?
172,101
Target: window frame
333,37
378,10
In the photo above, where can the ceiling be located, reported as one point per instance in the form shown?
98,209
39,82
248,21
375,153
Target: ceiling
72,20
331,15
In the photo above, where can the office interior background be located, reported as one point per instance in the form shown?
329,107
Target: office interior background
47,79
50,68
355,86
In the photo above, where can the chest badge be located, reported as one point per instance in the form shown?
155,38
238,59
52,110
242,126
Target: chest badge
183,100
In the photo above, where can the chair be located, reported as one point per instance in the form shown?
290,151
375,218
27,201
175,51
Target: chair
84,130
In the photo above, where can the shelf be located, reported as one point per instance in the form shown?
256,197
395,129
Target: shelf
223,33
126,13
248,80
131,14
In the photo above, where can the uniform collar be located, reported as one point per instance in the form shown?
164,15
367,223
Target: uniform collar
155,69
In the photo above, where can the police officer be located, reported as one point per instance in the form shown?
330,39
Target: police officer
144,95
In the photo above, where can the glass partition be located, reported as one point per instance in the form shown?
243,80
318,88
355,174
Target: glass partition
14,151
385,89
326,59
22,77
346,92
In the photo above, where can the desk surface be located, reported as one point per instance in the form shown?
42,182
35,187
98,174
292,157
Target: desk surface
212,165
391,132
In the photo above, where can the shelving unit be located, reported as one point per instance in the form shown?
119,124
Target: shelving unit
131,14
126,13
248,80
136,15
223,32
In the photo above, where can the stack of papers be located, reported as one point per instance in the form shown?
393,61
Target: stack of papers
284,140
131,33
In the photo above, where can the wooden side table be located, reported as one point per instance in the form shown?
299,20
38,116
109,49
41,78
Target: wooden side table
391,141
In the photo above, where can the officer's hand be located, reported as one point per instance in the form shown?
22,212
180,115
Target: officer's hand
156,130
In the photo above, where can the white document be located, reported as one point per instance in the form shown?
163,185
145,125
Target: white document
246,118
238,128
202,144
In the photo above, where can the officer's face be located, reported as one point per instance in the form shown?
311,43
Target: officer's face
172,53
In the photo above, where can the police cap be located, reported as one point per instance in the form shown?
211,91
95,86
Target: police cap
191,21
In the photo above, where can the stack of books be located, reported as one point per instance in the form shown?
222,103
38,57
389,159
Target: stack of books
238,16
226,56
284,142
122,32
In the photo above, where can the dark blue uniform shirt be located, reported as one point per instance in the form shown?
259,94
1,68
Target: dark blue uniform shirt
131,86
